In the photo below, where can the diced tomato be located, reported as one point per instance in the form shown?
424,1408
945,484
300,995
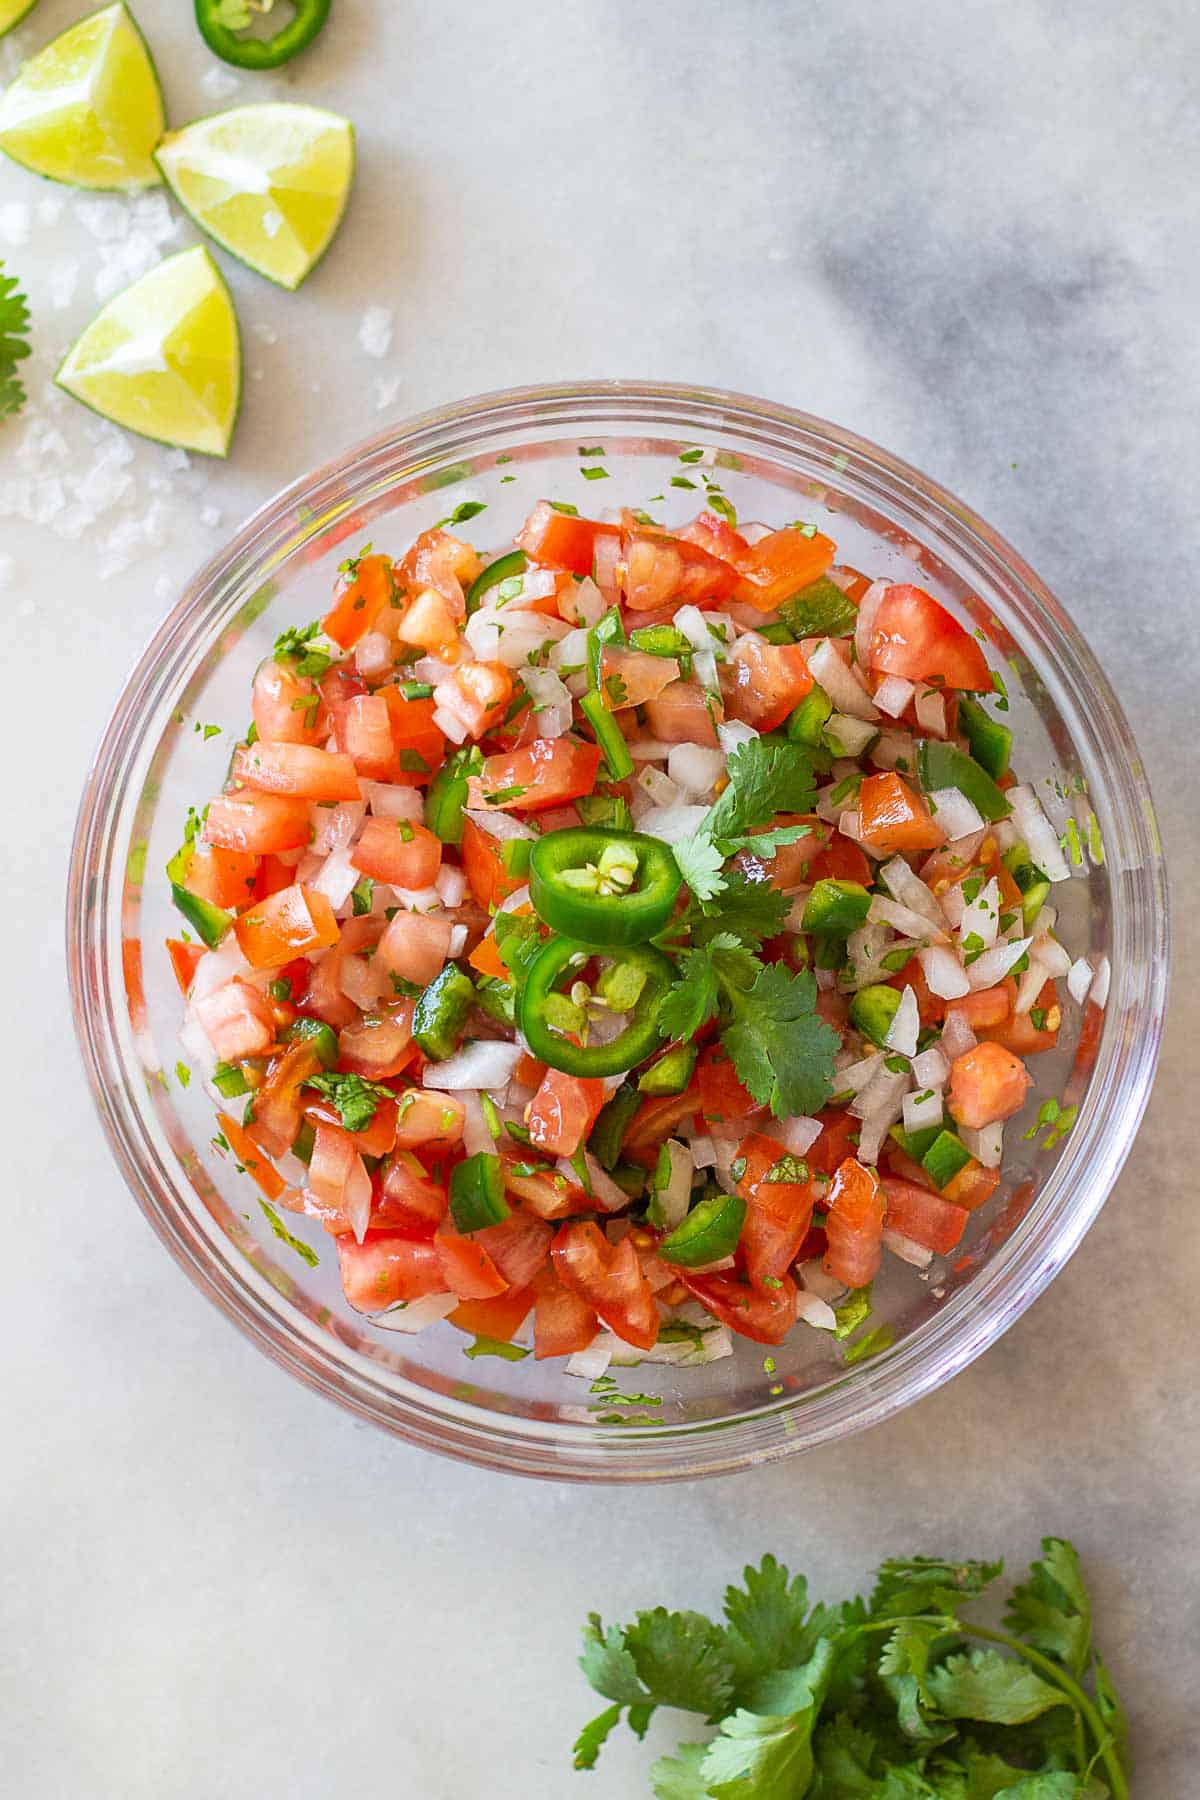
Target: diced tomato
439,559
369,590
529,1071
415,946
485,957
375,1139
559,818
630,677
365,734
609,1277
500,1318
298,921
778,1213
987,1006
378,1045
661,569
944,870
972,1186
431,623
279,1102
930,1006
854,1224
483,866
682,714
716,536
338,1182
184,958
481,693
987,1084
428,1118
722,1097
467,1269
838,1139
229,878
247,1152
892,817
545,1193
764,1314
237,1020
287,708
409,1196
273,876
789,866
396,851
1017,1031
388,1267
260,824
851,581
655,1120
548,772
840,860
914,636
563,1322
926,1218
563,1111
561,542
519,1246
761,683
782,563
420,748
300,769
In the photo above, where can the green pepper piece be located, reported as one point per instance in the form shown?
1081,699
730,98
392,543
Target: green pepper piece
609,736
945,1157
990,741
1034,885
505,568
630,1179
563,956
447,793
441,1013
607,630
207,920
308,17
605,809
229,1079
477,1192
915,1143
872,1010
672,1072
498,999
603,886
304,1143
514,854
942,765
837,906
709,1233
323,1039
820,610
830,951
807,721
660,640
615,1118
778,633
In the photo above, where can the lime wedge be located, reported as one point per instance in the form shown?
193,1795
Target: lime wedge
164,358
87,109
269,182
12,12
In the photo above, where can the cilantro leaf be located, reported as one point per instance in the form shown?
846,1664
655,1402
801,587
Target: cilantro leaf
767,1621
693,999
700,863
918,1584
766,777
1051,1610
14,346
749,910
782,1051
844,1754
760,1757
682,1659
679,1777
1108,1705
593,1737
999,1690
766,843
904,1672
356,1100
608,1665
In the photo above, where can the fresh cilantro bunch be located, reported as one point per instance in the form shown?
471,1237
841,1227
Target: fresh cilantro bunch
895,1698
14,346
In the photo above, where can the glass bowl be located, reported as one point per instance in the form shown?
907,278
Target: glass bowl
509,449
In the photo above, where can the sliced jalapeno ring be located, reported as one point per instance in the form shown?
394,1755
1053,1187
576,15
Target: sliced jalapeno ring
540,1003
233,46
603,886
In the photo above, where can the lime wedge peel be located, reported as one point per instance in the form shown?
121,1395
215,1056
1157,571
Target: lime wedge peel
12,12
88,109
163,358
269,182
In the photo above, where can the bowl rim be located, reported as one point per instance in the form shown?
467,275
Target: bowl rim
1113,1103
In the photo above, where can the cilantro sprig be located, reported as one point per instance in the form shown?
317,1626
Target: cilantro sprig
765,778
14,345
354,1098
899,1696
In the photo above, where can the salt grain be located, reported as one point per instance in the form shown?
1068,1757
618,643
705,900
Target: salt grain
375,331
15,222
384,390
218,83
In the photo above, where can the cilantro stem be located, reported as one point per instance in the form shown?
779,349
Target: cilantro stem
1052,1672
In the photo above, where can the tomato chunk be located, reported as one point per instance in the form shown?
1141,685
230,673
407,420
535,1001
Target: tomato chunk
782,563
682,714
764,1314
237,1020
388,1267
261,824
925,1217
630,677
467,1268
393,850
370,588
500,1318
762,683
561,542
563,1111
893,817
609,1277
300,769
519,1246
297,921
286,707
987,1084
483,865
563,1322
548,772
914,636
661,569
854,1224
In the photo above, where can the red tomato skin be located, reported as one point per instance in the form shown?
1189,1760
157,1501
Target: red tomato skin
987,1084
854,1224
562,1321
519,1246
780,564
548,772
761,683
501,1317
259,824
914,636
300,769
487,878
467,1268
561,542
839,1135
287,708
609,1277
680,715
297,921
722,1098
409,859
893,817
360,602
764,1314
388,1267
927,1218
563,1111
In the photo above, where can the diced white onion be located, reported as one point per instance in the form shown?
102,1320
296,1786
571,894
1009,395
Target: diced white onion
704,1151
944,974
458,941
953,812
799,1134
672,823
671,1202
922,1109
450,724
904,920
451,884
415,1315
515,901
957,1036
1054,959
994,964
814,1279
930,709
392,800
335,878
498,824
905,1027
884,1093
893,695
858,1075
649,750
373,655
431,669
421,900
1040,837
704,667
552,701
849,736
732,733
606,1195
570,652
893,748
981,916
911,891
587,602
1099,994
593,1362
930,1069
694,626
476,1135
816,1312
917,1254
864,628
986,1145
659,788
883,1115
486,1064
694,769
1079,980
840,682
511,636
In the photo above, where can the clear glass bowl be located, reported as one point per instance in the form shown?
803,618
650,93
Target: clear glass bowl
509,449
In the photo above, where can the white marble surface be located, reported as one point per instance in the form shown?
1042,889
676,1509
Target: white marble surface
965,229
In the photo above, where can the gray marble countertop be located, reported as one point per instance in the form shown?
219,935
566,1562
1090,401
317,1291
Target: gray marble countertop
965,230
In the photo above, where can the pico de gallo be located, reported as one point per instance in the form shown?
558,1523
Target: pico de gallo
620,941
